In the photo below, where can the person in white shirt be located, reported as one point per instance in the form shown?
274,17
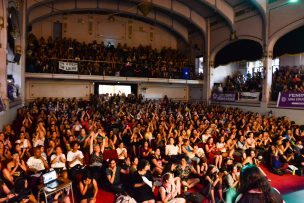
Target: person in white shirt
37,163
75,159
206,136
24,143
122,152
58,159
172,151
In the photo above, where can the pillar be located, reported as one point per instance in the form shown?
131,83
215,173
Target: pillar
23,48
3,45
207,67
267,82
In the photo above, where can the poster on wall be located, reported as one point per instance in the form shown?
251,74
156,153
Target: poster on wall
223,97
291,100
249,96
68,66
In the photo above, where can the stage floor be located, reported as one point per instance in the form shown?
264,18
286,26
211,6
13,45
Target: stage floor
294,197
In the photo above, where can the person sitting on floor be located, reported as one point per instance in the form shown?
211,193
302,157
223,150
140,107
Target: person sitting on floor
168,190
88,189
113,173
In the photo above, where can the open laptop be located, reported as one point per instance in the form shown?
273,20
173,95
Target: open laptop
50,179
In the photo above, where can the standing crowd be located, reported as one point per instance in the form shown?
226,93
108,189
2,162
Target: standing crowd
130,146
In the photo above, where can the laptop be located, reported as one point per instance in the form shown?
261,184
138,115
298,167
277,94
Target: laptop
50,179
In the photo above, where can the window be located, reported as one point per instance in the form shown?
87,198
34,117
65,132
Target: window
275,64
199,65
254,67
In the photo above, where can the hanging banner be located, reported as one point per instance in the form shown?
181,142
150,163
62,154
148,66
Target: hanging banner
68,66
249,96
223,97
291,100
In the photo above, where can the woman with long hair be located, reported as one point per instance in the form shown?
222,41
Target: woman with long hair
254,187
213,183
168,190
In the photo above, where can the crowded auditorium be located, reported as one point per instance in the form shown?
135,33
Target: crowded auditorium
151,101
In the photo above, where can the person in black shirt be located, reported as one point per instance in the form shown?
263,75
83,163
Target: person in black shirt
88,189
142,189
113,173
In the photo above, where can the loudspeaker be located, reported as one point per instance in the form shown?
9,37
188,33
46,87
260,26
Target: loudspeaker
17,58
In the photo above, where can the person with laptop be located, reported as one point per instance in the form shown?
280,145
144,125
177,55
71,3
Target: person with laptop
75,159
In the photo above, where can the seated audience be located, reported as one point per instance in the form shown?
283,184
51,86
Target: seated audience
106,117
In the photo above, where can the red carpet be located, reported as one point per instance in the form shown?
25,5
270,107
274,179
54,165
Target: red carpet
285,184
105,197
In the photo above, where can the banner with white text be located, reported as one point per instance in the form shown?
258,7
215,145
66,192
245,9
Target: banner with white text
291,100
68,66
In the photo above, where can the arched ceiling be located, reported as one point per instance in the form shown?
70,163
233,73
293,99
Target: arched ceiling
290,43
239,50
178,16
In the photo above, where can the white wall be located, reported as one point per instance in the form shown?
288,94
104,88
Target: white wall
292,60
196,93
81,89
15,70
122,30
220,73
8,116
158,91
59,88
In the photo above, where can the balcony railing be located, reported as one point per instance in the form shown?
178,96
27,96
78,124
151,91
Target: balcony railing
107,68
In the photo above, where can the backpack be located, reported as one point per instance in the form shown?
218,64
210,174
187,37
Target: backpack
125,199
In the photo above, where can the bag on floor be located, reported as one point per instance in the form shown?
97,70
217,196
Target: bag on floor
125,199
195,197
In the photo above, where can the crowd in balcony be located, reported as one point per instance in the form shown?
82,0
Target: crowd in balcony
98,58
287,79
241,83
164,144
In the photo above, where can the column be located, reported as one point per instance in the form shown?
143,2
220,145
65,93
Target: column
3,45
23,48
266,92
207,67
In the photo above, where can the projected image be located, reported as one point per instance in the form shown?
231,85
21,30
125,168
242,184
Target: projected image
114,89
